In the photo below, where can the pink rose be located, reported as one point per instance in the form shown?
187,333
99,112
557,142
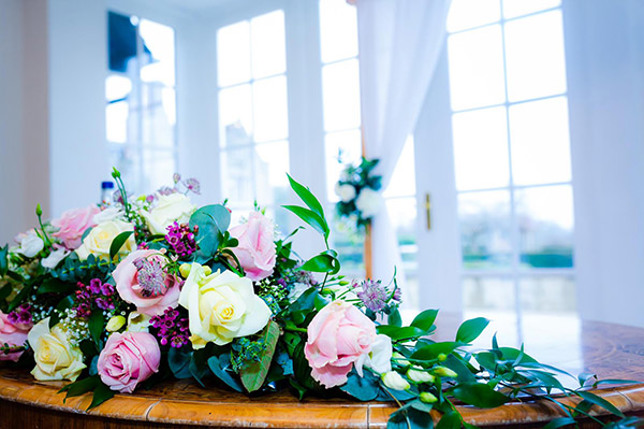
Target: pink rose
256,248
142,279
12,334
72,224
128,359
337,337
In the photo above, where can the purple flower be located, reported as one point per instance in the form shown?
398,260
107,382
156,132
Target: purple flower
171,329
373,295
193,185
182,239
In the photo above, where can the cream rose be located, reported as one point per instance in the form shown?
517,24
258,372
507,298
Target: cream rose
221,307
99,239
169,209
55,358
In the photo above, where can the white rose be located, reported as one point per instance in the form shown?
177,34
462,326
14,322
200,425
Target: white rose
54,258
100,238
170,208
55,357
345,192
379,358
110,213
221,307
30,243
368,202
393,380
137,322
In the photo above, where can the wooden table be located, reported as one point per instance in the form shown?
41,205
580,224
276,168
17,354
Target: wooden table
611,351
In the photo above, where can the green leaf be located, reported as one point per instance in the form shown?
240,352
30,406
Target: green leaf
18,299
397,334
364,388
307,196
310,218
478,394
322,263
614,381
79,387
449,420
456,364
253,375
547,379
4,262
213,220
395,319
179,362
425,320
560,422
305,302
471,329
53,285
600,402
118,242
431,351
101,394
63,305
96,325
219,365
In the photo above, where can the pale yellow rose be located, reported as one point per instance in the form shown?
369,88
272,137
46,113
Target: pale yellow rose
170,208
221,307
99,239
55,358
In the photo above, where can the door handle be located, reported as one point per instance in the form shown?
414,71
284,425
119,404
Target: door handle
428,211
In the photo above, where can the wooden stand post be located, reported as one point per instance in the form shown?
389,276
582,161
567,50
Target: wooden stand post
367,255
368,260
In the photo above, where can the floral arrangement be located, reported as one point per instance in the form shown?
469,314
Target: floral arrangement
129,293
358,190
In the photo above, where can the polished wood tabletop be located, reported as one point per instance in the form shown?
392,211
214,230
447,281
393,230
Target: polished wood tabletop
610,351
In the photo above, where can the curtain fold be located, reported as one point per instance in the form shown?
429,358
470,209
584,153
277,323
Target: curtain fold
399,42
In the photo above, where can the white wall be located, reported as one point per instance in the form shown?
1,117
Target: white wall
605,60
24,172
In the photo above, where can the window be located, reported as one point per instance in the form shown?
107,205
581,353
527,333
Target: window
253,114
141,102
512,154
341,108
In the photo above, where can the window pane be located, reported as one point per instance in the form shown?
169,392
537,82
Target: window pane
233,54
117,87
237,175
159,118
545,221
235,115
338,30
119,125
158,168
267,36
341,148
540,142
271,166
484,219
403,179
547,294
535,56
513,8
464,14
488,294
476,68
122,41
341,93
403,212
270,108
126,160
159,41
481,149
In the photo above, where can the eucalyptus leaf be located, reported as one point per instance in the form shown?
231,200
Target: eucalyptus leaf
179,362
364,388
218,366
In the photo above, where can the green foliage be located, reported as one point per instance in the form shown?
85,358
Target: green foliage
74,270
253,375
118,243
220,366
212,220
179,362
425,320
4,260
96,325
471,329
364,388
101,392
479,394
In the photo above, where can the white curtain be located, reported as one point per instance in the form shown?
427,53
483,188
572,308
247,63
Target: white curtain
400,42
